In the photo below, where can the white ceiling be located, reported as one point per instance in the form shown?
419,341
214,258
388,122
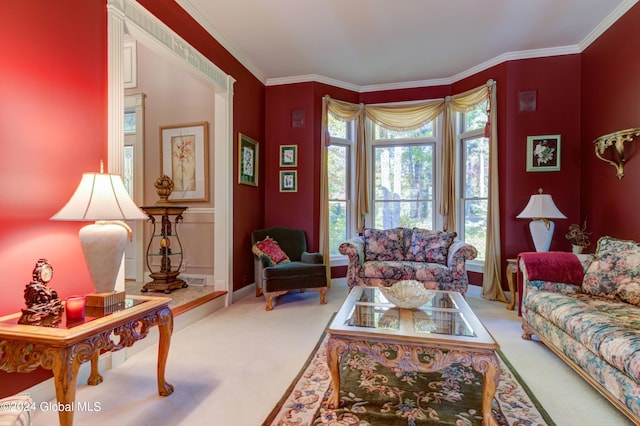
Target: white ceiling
373,43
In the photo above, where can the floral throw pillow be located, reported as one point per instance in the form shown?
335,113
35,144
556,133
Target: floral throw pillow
429,246
270,248
383,244
615,271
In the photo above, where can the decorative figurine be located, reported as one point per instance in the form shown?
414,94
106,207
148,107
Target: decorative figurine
164,188
43,305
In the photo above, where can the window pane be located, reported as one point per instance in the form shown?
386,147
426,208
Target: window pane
337,225
391,214
337,169
404,172
476,118
130,122
425,131
476,173
337,128
475,225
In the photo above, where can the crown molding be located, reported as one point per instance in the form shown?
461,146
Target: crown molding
606,23
514,56
509,56
316,78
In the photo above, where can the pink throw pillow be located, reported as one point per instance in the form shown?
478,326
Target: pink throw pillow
270,248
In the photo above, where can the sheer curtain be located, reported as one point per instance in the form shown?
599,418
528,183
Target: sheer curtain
409,117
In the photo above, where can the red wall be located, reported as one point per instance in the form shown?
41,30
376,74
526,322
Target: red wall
556,81
610,102
299,209
52,129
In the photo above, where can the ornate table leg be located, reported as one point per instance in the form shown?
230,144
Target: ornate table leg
95,378
333,358
489,366
165,327
512,270
65,365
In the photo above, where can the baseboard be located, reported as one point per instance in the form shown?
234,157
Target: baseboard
244,292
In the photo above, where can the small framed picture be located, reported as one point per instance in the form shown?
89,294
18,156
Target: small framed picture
288,155
288,181
543,153
247,160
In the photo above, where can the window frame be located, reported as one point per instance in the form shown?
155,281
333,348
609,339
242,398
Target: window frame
435,140
349,142
463,135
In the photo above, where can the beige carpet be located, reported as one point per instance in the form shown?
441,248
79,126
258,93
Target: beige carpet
231,368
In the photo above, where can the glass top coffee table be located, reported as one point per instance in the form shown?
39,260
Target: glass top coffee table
443,332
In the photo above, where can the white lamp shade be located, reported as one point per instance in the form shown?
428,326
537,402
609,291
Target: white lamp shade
100,196
541,206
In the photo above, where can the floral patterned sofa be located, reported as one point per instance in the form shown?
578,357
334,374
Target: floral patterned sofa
382,257
586,309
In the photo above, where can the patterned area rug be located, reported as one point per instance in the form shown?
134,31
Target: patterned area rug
375,395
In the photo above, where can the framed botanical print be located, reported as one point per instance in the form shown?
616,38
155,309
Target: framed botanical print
543,153
288,155
247,160
288,181
184,158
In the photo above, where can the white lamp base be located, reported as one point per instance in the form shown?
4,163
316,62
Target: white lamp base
103,245
541,234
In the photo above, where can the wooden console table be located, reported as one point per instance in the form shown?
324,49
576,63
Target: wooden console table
62,348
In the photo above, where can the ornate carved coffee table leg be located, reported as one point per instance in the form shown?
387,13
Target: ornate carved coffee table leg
165,327
489,366
334,349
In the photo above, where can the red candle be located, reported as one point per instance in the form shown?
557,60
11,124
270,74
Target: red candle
75,308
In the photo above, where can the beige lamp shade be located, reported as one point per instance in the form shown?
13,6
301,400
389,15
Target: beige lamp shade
100,196
540,209
541,206
103,198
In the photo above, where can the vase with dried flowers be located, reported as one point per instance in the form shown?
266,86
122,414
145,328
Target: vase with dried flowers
578,236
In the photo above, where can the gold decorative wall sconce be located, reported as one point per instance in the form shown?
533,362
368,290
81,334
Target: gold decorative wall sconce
617,139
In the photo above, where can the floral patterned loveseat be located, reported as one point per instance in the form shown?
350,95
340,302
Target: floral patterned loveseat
380,257
586,309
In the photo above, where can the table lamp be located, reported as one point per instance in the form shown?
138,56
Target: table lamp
102,198
540,209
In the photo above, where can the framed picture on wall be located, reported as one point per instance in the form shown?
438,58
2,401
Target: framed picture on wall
288,181
184,157
288,155
247,160
543,153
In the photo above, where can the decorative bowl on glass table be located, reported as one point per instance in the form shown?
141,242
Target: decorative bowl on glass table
407,294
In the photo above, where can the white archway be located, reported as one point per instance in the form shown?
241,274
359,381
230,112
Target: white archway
130,17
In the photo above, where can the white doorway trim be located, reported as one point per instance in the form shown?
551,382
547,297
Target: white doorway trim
130,17
135,103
